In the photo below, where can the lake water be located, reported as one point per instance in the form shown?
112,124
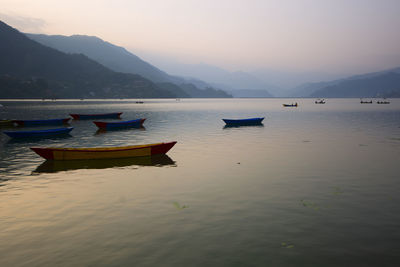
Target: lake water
316,185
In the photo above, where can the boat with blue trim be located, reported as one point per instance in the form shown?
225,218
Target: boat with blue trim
240,122
119,124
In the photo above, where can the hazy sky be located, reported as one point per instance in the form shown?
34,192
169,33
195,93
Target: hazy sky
302,35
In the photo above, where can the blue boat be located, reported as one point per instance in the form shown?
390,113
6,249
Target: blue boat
120,124
38,133
240,122
41,122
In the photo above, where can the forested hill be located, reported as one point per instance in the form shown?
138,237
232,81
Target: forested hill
26,64
114,57
119,59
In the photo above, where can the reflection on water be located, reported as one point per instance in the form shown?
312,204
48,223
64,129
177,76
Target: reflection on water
119,129
240,126
313,186
36,138
50,166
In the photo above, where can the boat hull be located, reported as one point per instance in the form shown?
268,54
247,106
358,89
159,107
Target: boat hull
41,122
289,105
251,121
96,116
38,133
122,124
103,152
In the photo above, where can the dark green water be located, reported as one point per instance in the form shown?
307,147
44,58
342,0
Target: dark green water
316,185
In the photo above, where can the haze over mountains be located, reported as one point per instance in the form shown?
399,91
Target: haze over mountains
88,67
31,70
376,84
114,57
120,60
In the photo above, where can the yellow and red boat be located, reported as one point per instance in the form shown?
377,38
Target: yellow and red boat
54,153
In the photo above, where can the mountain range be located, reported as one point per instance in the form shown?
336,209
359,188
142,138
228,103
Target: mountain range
31,70
119,59
262,83
82,66
376,84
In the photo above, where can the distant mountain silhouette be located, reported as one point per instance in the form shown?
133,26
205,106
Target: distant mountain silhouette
377,84
25,63
383,85
220,78
119,59
253,93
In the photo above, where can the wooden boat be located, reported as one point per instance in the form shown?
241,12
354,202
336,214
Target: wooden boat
6,123
41,122
290,105
51,166
96,116
120,124
53,153
38,133
250,121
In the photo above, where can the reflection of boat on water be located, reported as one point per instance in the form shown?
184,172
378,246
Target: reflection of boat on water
243,122
39,133
320,101
290,105
50,166
62,153
120,124
103,131
230,126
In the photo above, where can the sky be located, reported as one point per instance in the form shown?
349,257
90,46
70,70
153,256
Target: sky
331,36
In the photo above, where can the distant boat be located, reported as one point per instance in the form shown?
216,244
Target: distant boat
290,105
382,102
41,122
365,102
6,123
320,101
96,116
120,124
139,102
239,122
38,133
51,153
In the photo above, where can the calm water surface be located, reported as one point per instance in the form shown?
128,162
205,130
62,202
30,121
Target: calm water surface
316,185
